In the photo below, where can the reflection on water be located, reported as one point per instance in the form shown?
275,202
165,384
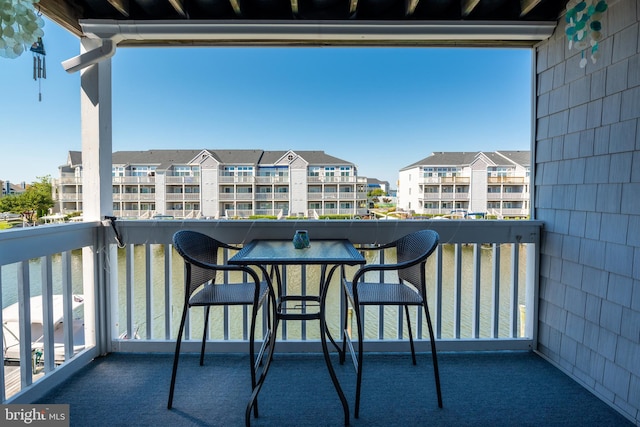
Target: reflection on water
295,329
10,277
153,290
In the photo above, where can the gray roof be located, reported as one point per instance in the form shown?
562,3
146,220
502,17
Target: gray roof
448,158
312,157
523,158
237,157
75,158
163,159
457,158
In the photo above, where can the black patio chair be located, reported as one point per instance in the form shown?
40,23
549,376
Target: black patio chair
200,253
410,289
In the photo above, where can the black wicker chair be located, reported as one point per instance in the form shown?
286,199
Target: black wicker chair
410,289
200,253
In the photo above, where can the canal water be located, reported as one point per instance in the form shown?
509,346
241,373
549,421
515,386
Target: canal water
294,329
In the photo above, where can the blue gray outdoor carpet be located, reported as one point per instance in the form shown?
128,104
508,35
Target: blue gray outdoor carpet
479,389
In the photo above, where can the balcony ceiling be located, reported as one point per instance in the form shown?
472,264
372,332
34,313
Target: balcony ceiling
210,22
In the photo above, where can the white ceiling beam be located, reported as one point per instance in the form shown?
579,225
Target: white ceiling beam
250,33
77,63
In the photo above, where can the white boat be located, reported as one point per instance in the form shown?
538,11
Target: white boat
11,329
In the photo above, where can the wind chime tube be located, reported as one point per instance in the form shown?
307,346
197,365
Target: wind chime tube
35,67
44,68
39,67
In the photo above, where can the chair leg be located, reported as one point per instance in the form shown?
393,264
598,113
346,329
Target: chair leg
252,355
343,353
356,412
434,356
204,334
413,349
176,357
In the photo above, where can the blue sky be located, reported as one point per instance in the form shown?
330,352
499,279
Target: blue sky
380,108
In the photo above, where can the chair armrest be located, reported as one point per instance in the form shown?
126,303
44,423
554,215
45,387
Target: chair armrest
383,267
378,248
228,246
226,267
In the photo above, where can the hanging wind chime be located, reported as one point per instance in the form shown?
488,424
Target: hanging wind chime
39,64
584,26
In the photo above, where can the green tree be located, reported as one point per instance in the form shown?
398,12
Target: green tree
33,203
376,192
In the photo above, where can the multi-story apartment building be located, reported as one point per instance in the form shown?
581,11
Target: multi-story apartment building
492,183
9,188
221,184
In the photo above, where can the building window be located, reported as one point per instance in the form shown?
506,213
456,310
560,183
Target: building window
497,171
314,171
329,171
117,171
244,170
142,170
345,170
273,171
182,171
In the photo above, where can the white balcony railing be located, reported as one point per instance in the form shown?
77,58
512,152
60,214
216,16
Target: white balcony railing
482,288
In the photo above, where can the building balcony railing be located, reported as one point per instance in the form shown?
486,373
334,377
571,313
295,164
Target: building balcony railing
508,196
264,196
445,180
236,196
133,180
132,291
332,179
507,180
170,179
183,213
248,179
172,197
70,197
70,180
130,197
272,179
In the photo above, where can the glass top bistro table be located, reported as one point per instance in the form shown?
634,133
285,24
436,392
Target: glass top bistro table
329,254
